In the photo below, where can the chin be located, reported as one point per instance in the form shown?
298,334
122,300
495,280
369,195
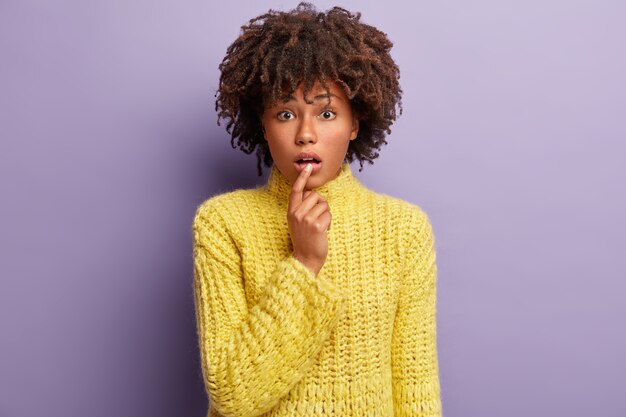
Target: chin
318,183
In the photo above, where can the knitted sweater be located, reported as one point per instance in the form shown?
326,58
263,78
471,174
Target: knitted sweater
358,339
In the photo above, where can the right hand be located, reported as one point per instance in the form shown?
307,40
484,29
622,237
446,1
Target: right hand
309,219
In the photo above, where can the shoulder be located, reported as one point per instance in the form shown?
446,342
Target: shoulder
407,214
412,222
218,221
224,208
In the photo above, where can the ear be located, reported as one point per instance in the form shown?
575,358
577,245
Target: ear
355,128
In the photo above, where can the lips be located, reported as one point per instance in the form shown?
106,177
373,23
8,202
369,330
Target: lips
303,158
303,155
300,164
315,166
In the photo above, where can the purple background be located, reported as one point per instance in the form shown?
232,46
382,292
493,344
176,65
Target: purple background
512,140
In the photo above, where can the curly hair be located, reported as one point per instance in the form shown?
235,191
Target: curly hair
277,51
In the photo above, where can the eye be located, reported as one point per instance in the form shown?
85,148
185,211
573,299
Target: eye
328,115
285,115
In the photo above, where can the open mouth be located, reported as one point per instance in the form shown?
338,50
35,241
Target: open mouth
301,163
307,161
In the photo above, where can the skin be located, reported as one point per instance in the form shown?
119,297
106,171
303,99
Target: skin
326,128
308,218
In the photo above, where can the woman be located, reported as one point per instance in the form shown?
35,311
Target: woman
314,295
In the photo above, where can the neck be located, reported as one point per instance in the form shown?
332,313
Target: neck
279,186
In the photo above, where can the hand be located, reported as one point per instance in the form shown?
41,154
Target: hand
309,219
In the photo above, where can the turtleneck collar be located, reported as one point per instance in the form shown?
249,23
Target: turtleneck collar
344,183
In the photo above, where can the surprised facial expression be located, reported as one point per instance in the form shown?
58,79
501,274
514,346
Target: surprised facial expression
321,130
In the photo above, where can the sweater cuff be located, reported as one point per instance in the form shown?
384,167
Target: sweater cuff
317,289
421,399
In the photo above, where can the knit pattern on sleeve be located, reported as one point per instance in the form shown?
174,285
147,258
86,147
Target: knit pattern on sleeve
358,339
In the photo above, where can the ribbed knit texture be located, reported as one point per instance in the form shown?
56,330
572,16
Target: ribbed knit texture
358,339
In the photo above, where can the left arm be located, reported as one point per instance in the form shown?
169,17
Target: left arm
416,389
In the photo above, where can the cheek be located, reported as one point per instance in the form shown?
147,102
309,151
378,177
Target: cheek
339,133
278,140
279,131
272,135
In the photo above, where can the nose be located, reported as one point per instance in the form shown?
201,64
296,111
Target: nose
306,131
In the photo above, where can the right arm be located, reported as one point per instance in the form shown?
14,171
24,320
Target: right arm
252,356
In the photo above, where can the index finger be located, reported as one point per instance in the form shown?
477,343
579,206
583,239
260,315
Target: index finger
298,186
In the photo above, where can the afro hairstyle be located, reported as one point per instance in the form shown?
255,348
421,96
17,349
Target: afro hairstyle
277,51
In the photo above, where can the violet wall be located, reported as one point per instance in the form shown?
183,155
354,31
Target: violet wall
512,140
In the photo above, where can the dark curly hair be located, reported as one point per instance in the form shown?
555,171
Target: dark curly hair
277,51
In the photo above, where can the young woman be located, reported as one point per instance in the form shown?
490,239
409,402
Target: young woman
314,295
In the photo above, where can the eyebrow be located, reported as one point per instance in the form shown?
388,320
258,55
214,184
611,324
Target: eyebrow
317,97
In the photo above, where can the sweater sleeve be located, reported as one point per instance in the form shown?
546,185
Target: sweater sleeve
253,355
416,389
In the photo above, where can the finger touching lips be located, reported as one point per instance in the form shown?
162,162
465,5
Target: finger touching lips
315,166
298,186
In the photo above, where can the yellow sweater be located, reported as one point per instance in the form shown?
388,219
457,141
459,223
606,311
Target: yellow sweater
358,339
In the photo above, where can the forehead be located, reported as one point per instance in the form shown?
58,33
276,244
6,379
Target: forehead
316,92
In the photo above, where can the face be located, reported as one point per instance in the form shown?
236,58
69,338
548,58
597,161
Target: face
323,128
